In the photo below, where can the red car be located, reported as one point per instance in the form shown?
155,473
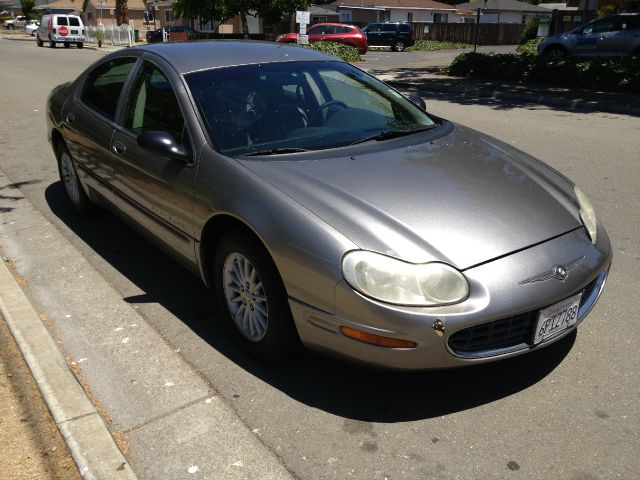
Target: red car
332,32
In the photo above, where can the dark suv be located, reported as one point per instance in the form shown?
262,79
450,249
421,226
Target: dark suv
397,35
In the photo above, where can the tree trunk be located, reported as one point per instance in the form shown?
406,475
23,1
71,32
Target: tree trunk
245,25
122,12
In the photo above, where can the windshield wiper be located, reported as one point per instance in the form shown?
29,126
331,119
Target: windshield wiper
389,134
277,151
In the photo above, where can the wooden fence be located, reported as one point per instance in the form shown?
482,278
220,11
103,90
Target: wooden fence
488,33
565,20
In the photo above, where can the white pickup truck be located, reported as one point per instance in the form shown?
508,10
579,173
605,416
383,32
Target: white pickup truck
19,21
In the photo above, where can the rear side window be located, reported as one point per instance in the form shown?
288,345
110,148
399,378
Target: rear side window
74,21
62,21
388,27
404,28
104,84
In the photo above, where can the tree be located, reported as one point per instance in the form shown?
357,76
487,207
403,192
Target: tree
122,12
271,11
27,8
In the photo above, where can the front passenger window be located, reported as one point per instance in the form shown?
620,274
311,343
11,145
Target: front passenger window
153,105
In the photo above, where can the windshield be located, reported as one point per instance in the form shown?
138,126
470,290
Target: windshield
298,106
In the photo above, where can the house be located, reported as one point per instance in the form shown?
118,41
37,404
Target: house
322,14
61,6
97,11
361,12
504,11
103,12
165,16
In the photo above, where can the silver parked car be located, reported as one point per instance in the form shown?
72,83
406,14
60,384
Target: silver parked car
324,208
612,35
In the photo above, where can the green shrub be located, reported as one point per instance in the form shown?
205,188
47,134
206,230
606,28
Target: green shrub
345,52
530,31
620,74
530,47
433,45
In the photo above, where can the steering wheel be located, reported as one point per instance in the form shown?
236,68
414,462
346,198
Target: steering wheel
318,118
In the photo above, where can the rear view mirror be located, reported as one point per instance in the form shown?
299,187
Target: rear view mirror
163,143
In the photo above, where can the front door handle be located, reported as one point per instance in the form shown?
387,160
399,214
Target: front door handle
118,148
70,118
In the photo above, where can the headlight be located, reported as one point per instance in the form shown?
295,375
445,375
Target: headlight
587,214
401,283
279,37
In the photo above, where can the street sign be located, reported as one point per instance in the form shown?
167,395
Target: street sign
303,17
303,29
303,39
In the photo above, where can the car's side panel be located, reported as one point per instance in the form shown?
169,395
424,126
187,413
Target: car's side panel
306,251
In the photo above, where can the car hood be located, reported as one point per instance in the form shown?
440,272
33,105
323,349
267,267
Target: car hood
463,198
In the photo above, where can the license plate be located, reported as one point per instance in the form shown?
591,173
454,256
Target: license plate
74,32
557,318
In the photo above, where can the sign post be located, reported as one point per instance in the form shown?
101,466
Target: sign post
303,18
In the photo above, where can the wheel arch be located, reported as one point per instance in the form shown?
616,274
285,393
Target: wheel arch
216,228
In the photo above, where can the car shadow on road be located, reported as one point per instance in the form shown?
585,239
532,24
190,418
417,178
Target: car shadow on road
332,385
504,95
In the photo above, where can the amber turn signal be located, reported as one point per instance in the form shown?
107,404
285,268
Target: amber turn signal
377,339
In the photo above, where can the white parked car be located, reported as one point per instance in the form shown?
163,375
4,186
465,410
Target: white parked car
31,26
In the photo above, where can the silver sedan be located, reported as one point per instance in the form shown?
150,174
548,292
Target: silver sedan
326,209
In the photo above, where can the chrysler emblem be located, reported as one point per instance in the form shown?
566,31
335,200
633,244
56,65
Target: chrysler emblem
559,272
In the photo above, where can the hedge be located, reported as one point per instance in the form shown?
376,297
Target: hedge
621,74
345,52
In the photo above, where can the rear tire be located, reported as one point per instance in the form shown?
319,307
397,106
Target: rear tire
398,46
554,52
75,193
52,44
38,41
253,299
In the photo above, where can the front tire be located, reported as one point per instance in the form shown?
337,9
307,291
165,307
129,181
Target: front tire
253,299
76,195
67,45
80,44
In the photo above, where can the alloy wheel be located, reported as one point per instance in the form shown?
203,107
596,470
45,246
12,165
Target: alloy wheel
245,297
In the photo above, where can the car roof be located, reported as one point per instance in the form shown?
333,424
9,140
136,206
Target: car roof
202,55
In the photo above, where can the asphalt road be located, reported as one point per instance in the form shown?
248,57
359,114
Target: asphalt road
569,412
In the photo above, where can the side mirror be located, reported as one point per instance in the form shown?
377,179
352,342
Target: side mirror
163,143
417,100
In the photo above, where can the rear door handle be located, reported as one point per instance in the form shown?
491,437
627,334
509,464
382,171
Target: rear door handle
118,148
70,118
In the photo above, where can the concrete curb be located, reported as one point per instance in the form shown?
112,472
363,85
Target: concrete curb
90,442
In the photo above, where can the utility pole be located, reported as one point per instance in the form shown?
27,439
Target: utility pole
478,13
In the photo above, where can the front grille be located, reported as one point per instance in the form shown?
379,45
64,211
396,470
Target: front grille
503,333
507,333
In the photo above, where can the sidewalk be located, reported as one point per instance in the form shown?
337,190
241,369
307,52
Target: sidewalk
126,403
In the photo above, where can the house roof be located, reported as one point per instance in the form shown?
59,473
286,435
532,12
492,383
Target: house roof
77,4
71,4
321,10
503,6
556,6
107,4
396,4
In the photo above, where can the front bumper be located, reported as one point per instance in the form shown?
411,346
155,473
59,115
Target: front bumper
495,293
